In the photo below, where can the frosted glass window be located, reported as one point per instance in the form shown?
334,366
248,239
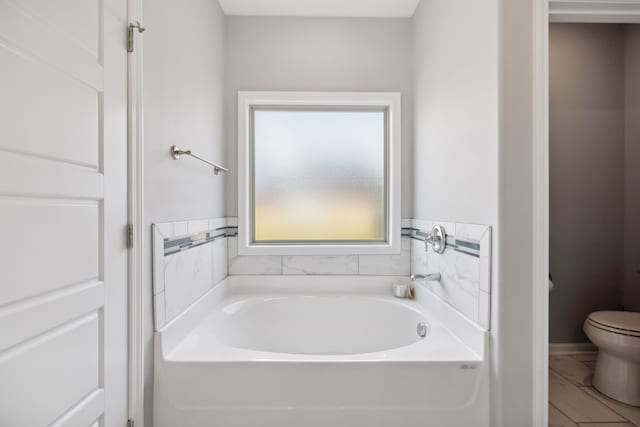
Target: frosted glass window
319,175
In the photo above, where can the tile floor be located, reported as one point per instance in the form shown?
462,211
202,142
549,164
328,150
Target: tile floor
574,403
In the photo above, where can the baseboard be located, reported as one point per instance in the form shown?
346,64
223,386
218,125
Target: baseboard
572,348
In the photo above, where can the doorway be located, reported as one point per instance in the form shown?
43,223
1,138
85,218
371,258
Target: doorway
593,61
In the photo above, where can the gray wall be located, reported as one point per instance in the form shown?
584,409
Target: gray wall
586,152
632,169
456,111
183,104
456,163
324,54
513,319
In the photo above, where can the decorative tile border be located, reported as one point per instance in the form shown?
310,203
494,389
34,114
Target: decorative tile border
465,267
463,245
183,243
469,247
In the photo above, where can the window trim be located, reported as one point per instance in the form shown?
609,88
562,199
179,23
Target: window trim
390,101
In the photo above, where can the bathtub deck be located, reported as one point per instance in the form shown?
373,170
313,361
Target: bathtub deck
202,345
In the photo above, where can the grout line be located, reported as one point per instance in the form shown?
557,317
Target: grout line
559,410
608,423
606,403
581,387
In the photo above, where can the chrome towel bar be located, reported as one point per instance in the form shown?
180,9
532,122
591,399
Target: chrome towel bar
177,152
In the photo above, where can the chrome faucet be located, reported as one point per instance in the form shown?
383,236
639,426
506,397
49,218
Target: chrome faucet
433,277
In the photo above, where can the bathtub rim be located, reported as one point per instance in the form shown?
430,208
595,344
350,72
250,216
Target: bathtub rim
470,335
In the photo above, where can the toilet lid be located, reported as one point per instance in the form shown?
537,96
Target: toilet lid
624,321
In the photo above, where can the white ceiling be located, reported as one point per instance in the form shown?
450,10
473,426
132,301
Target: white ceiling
347,8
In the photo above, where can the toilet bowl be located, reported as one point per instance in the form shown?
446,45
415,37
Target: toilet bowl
617,336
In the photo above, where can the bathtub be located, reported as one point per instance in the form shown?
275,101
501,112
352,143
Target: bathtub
318,351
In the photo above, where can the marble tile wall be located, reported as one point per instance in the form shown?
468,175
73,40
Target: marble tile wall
465,267
379,265
185,270
189,258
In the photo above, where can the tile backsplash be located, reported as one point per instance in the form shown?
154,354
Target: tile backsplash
191,257
465,267
380,265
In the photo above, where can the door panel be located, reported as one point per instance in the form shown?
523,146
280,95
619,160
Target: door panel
63,189
41,314
73,350
70,131
69,183
75,17
28,34
60,237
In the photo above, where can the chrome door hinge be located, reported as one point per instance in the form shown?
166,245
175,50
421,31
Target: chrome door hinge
131,36
129,236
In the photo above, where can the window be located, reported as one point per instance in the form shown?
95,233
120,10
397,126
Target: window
318,173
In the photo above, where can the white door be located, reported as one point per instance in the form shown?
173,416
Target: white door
63,188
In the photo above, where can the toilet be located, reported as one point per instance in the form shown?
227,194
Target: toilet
617,336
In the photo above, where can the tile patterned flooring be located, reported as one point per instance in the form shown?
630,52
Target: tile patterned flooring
574,403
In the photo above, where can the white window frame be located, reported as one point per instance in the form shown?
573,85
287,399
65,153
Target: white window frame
388,100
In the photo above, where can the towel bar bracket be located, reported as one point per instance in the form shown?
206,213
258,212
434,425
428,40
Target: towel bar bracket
177,152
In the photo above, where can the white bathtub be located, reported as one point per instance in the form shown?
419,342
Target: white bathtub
319,351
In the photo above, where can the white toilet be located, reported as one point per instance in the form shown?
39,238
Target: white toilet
617,336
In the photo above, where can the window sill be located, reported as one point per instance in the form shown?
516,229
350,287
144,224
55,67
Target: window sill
392,248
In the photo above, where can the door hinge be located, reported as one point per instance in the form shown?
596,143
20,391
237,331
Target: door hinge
131,35
129,423
129,236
